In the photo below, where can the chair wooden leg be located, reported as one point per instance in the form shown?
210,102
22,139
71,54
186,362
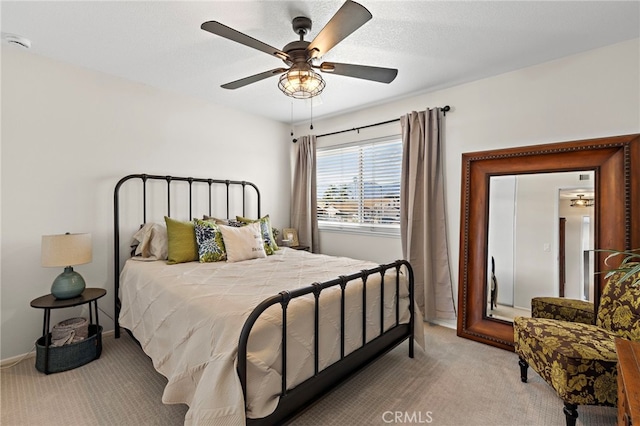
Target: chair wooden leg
523,369
571,413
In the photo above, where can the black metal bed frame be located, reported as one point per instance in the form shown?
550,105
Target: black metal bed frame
292,401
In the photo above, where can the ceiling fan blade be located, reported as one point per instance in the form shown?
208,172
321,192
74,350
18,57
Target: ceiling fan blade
222,30
254,78
382,75
347,19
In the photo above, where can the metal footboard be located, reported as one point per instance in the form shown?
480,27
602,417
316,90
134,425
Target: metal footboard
293,400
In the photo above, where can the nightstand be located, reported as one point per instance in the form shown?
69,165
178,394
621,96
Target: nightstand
55,359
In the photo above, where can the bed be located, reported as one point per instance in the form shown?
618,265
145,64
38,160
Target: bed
254,341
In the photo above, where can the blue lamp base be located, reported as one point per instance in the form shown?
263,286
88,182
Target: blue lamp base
68,284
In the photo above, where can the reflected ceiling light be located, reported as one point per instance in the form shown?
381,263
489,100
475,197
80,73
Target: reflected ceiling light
581,202
301,82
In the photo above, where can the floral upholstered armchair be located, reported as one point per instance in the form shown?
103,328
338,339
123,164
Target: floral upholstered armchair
573,349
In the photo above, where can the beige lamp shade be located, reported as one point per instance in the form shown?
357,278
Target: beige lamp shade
66,250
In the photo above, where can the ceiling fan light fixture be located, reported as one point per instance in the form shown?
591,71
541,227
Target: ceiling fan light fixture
581,201
301,83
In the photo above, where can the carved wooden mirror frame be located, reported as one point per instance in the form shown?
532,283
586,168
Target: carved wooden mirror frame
616,162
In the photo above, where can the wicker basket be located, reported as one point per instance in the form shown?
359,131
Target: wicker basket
67,357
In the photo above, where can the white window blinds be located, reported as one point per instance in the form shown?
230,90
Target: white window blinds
359,185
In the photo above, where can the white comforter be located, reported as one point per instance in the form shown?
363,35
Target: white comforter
188,318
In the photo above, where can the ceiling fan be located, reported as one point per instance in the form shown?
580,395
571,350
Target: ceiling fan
300,80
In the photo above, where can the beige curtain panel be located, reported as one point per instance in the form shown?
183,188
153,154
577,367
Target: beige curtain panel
422,213
304,205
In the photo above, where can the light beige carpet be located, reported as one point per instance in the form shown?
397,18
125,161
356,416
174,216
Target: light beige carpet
454,382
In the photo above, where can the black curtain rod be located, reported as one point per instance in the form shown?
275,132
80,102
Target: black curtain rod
358,128
445,109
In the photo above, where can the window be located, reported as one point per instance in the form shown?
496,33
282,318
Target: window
359,186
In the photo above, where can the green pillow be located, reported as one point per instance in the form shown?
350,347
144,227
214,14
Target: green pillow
210,243
182,246
270,245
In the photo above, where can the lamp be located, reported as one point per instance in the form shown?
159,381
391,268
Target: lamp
66,250
581,202
301,82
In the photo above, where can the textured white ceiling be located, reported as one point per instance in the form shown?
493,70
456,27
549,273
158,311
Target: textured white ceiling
433,44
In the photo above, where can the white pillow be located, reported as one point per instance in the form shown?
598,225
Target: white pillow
152,241
243,243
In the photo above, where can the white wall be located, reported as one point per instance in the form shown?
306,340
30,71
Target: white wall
69,134
379,249
588,95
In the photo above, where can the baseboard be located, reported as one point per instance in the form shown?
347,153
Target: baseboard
15,359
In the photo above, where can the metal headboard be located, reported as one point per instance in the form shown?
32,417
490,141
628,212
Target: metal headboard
169,180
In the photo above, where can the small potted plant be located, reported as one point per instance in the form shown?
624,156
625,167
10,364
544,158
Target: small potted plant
630,264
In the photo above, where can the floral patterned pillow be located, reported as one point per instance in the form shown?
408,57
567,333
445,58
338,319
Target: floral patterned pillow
227,222
210,243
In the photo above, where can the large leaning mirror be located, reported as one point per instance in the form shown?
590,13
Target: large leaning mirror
540,240
513,203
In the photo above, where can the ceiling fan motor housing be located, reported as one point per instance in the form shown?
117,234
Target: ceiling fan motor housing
301,25
297,51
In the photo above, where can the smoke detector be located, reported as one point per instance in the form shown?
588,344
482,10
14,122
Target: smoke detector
16,40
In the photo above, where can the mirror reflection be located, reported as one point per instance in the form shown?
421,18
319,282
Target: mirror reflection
541,231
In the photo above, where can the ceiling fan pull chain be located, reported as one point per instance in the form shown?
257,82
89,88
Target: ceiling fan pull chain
291,118
311,127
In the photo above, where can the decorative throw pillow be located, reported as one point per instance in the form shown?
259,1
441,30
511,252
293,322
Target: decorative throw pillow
151,241
182,246
210,243
218,221
215,220
243,243
270,245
